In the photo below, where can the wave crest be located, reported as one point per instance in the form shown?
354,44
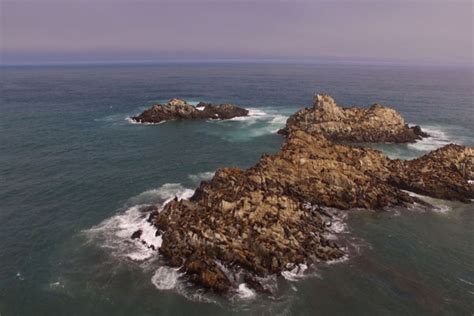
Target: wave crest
115,232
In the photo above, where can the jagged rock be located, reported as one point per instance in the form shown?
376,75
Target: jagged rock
376,124
207,273
262,219
177,109
443,173
137,234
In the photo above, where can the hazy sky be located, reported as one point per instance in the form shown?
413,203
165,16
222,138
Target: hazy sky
433,31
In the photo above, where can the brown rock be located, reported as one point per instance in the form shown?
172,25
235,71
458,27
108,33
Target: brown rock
177,109
262,219
376,124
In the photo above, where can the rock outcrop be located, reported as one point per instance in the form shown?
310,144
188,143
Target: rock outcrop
445,173
265,219
273,216
376,124
177,109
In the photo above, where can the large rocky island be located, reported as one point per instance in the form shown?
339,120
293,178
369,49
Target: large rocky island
178,109
376,124
273,216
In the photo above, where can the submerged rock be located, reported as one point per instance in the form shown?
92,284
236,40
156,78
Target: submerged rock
137,234
267,218
376,124
177,109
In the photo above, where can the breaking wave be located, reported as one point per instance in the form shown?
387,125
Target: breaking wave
438,138
254,114
298,272
114,233
244,292
198,177
166,278
437,205
258,123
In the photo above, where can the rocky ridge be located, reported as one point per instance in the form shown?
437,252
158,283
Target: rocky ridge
178,109
376,124
272,217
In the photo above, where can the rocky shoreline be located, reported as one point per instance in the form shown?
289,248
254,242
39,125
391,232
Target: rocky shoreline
178,109
271,217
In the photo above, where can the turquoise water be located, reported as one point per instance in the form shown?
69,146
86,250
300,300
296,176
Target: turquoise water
72,169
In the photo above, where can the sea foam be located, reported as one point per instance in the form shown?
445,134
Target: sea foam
166,278
198,177
437,139
298,272
115,232
244,292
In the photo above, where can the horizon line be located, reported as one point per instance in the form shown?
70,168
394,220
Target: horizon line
239,61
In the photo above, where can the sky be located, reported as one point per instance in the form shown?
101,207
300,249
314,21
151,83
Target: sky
416,31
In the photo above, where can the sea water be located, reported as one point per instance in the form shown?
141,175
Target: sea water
74,173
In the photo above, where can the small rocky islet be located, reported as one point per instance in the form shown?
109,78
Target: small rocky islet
178,109
273,217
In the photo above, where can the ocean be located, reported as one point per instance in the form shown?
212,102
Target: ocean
73,171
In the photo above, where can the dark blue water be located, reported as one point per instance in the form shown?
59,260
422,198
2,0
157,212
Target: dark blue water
72,168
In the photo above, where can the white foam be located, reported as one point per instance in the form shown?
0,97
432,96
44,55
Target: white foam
466,281
470,181
338,224
198,177
115,233
437,139
56,285
344,258
244,292
166,278
162,195
253,115
132,121
260,125
438,205
296,273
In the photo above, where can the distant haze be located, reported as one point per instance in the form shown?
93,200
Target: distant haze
423,31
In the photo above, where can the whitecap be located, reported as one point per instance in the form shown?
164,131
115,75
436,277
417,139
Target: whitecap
163,194
115,235
56,285
253,115
342,259
115,232
244,292
437,139
166,278
198,177
258,123
437,205
466,281
298,272
132,121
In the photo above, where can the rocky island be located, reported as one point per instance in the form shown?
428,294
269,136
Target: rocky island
273,216
376,124
178,109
